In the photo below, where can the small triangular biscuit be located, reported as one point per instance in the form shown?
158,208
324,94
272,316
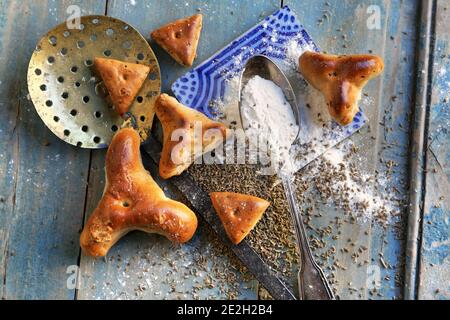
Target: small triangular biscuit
123,80
187,135
180,38
238,212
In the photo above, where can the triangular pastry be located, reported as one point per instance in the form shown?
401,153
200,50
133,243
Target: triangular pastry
133,201
180,38
239,213
340,79
123,80
187,135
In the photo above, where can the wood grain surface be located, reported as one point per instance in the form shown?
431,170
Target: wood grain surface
434,271
48,188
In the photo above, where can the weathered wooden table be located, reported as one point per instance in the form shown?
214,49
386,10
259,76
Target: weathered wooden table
48,187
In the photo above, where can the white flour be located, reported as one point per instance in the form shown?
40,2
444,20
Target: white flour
268,119
294,51
338,181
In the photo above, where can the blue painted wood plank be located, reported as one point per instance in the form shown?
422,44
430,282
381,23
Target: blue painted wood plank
42,179
342,27
434,268
130,271
417,150
394,135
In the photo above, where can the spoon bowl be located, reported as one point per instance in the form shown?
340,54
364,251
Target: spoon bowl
260,65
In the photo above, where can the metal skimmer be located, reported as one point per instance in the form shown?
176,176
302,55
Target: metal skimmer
70,98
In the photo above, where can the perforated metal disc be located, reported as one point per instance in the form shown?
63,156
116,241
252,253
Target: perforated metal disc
70,98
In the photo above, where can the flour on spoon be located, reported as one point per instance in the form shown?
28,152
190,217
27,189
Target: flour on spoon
269,121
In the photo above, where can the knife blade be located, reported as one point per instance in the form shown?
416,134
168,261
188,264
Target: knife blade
201,202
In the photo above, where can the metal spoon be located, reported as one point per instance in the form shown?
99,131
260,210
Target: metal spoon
312,283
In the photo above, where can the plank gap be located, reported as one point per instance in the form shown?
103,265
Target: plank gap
425,144
86,195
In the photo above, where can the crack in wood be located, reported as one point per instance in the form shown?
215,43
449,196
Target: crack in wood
436,159
14,197
5,265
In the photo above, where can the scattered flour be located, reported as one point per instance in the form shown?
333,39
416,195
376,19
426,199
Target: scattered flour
227,110
338,181
294,50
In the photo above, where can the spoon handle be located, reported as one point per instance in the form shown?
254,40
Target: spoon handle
312,283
